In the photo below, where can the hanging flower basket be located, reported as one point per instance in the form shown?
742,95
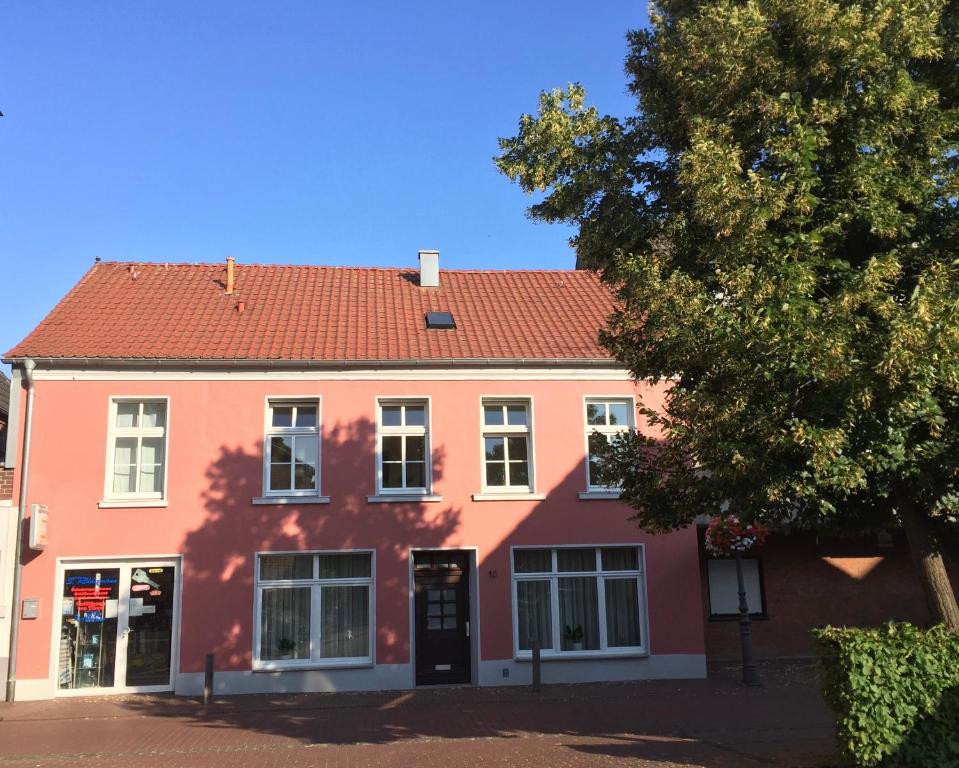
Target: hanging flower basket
728,535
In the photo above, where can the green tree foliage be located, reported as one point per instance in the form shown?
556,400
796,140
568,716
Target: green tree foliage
779,218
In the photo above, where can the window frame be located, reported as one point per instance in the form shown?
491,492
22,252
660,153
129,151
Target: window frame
604,651
606,430
507,430
111,497
404,431
315,584
270,431
734,616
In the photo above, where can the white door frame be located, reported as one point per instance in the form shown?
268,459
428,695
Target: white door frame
125,565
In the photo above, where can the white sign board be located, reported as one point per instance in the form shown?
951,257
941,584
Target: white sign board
38,526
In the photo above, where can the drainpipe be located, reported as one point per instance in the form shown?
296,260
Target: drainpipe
28,366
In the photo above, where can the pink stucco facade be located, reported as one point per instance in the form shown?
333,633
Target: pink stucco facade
215,469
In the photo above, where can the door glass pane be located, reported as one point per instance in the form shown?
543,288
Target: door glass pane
88,628
285,623
345,622
150,636
533,614
622,613
579,613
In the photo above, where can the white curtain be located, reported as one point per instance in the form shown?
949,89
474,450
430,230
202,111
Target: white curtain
622,613
533,613
345,621
285,623
579,610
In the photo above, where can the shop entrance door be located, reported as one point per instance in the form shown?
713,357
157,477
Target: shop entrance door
118,622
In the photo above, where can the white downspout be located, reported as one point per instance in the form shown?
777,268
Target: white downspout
28,366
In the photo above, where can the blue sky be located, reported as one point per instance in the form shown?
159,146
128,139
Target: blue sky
283,132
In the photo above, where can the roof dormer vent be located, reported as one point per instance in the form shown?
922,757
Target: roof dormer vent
429,269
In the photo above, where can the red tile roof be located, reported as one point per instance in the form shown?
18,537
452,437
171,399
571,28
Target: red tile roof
292,313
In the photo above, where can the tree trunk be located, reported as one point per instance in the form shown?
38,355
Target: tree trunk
928,558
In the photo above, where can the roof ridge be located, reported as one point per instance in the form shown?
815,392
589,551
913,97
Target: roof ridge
345,267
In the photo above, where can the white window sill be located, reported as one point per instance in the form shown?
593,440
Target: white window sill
399,498
304,665
282,500
493,496
632,653
131,503
599,494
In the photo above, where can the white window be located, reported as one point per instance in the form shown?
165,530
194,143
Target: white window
313,609
137,449
579,600
292,448
506,446
724,587
403,453
605,421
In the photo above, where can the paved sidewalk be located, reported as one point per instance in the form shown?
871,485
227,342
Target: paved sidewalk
714,723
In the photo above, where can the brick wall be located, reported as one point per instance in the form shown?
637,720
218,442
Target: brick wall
810,581
6,483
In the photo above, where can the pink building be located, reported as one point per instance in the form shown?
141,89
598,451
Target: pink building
332,479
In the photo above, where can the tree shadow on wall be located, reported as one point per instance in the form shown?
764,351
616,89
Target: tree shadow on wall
220,554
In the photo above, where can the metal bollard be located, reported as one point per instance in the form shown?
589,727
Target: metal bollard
208,680
537,679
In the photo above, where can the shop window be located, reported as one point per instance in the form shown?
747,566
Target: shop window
579,600
314,609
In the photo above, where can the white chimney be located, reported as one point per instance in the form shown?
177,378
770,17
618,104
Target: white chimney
429,269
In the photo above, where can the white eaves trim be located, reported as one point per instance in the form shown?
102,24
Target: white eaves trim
347,374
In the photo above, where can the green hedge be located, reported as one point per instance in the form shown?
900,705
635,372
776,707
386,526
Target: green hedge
895,691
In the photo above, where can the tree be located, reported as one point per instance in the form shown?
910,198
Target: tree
779,220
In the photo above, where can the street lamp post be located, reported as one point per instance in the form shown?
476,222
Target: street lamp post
750,670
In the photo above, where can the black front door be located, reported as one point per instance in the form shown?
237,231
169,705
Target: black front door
441,581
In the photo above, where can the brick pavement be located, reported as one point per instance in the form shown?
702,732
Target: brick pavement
713,723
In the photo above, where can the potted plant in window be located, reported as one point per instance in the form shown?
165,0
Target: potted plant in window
574,636
286,647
